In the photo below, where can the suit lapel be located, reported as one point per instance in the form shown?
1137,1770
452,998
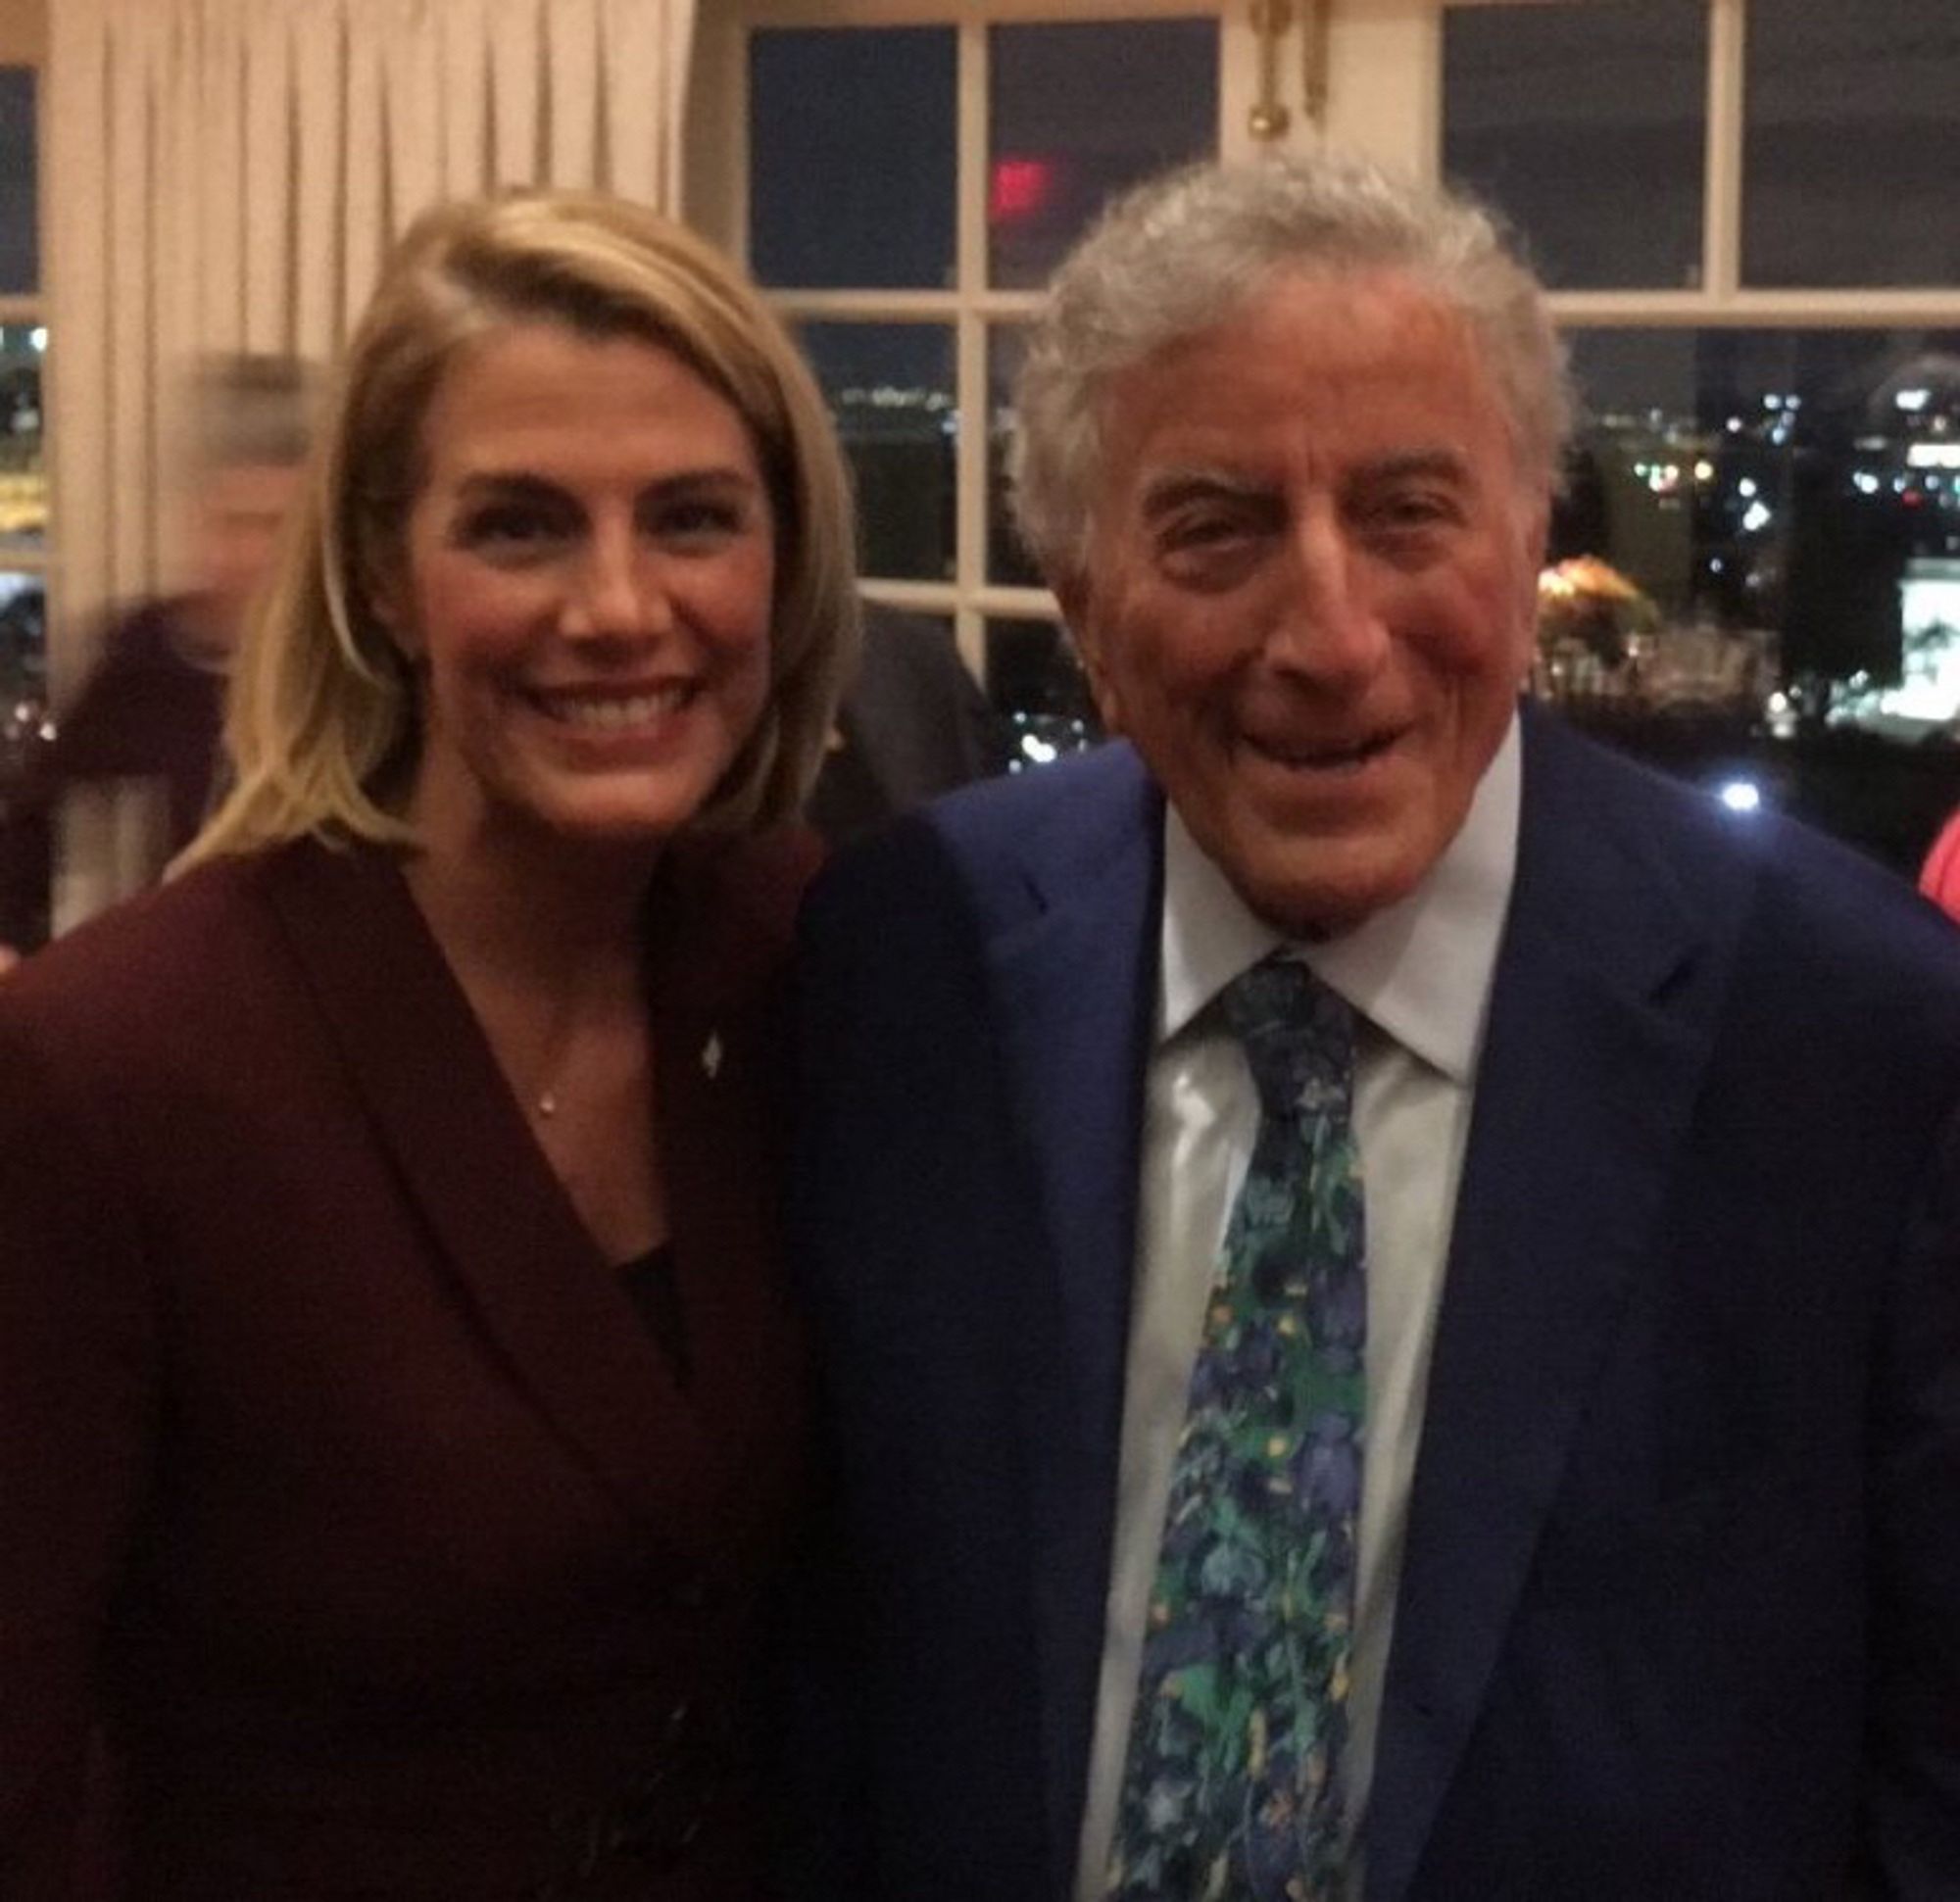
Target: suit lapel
1076,989
1602,1016
502,1228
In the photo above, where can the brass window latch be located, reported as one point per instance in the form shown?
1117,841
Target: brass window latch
1272,21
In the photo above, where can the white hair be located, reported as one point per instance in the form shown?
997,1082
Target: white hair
1186,252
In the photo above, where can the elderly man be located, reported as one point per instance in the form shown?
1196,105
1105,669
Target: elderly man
1388,1283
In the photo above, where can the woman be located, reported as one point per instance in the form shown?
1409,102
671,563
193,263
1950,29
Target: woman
398,1407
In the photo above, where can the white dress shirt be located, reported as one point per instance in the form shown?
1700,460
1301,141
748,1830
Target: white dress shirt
1419,975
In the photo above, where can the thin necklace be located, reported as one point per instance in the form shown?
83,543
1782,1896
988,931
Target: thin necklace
560,1034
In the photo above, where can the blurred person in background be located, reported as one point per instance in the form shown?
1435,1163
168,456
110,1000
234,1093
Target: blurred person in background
914,724
399,1409
127,779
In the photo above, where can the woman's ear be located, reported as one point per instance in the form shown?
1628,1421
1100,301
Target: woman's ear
386,598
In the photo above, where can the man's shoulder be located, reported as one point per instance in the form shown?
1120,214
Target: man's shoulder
1798,907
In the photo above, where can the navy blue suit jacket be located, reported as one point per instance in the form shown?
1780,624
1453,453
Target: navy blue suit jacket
1679,1612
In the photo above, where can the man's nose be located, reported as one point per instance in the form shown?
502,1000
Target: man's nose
1330,627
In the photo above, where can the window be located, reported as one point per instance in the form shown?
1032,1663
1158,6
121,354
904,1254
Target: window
906,187
23,493
1742,209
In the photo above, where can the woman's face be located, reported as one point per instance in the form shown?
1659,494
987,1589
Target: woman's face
585,592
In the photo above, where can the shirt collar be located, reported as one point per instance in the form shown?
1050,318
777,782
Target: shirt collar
1420,969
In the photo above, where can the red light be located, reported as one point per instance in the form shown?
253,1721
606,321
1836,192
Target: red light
1018,188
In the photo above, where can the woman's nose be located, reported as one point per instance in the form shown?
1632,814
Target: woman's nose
616,592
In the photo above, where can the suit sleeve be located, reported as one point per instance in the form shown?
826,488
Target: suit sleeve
76,1350
1911,1833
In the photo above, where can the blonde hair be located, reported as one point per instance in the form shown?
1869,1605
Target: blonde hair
322,723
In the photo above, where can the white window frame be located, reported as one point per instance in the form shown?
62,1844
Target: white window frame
1721,300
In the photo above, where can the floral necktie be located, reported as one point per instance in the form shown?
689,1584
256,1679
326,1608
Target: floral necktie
1231,1790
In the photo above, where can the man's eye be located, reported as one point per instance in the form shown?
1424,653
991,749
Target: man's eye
1415,510
1202,529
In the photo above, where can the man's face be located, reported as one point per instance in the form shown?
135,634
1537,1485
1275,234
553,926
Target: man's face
240,510
1310,589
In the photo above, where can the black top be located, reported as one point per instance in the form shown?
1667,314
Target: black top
650,1280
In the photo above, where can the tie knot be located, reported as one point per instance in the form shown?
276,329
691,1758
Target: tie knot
1298,1035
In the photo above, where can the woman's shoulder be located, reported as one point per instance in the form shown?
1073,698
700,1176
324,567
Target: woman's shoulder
188,943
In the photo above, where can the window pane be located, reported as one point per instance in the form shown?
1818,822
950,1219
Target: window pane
20,221
1037,686
851,141
24,486
891,389
1778,517
23,640
1008,564
1076,112
1851,163
1585,126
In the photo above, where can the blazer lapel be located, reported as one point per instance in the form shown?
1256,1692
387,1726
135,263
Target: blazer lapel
718,1049
1601,1017
502,1228
1076,985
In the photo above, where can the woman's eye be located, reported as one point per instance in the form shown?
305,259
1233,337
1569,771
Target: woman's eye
699,520
508,527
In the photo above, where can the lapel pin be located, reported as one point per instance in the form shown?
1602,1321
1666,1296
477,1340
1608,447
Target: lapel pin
710,1056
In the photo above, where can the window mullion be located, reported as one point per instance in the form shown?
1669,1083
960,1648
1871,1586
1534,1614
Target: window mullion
1722,207
970,444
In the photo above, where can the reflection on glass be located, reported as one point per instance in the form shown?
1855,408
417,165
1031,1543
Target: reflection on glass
1757,569
1851,165
1037,687
1008,564
1801,482
891,389
24,725
1584,124
24,486
852,143
1076,112
20,220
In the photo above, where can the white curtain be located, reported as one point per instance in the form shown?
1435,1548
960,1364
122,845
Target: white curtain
224,174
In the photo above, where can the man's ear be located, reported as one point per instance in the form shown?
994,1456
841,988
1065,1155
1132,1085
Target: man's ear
1085,629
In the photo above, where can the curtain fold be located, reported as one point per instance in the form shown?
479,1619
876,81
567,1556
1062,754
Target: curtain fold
225,175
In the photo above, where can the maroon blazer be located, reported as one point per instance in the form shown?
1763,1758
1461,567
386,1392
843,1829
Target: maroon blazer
342,1489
